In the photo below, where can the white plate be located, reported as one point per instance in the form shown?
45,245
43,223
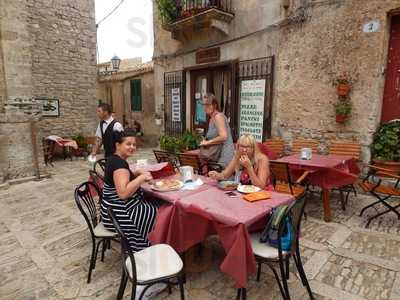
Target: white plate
247,189
163,189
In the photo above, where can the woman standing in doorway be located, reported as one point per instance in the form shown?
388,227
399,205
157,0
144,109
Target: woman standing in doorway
218,131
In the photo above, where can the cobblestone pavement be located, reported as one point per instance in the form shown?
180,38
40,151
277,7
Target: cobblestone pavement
45,246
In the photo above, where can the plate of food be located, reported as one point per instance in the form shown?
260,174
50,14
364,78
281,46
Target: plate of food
247,189
166,185
227,185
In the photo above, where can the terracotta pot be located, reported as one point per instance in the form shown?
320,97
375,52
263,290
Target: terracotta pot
343,89
393,166
342,118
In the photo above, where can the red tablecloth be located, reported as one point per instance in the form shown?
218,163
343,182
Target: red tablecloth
326,171
197,214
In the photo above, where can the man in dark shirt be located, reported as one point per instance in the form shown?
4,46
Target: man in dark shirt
105,130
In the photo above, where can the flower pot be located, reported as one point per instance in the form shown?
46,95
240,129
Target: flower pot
393,166
158,121
342,118
343,89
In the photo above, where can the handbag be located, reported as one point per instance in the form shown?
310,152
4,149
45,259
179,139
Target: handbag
211,152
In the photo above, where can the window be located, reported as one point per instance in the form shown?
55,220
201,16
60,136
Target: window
136,95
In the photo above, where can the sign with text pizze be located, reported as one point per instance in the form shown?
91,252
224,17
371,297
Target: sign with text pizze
252,97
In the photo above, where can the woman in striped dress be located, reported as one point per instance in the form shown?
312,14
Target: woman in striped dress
122,192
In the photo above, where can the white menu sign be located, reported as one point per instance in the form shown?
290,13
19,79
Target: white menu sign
176,105
252,96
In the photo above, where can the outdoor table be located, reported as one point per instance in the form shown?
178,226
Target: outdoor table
195,214
327,172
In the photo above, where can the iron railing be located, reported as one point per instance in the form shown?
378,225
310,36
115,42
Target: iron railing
193,7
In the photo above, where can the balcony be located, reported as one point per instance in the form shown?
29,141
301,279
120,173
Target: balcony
196,15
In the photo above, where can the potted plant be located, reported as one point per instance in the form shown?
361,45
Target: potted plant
82,145
385,148
343,84
169,10
343,111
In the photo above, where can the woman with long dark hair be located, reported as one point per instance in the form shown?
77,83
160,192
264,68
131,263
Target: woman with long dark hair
123,193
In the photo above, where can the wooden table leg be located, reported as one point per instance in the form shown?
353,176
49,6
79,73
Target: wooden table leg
327,206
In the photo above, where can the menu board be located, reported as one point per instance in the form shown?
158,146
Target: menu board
252,97
176,105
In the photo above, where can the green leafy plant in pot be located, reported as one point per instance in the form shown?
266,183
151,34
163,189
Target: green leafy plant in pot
385,148
169,10
343,111
82,145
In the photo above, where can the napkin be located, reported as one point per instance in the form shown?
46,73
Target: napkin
192,185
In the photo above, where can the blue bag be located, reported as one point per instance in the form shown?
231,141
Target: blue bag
270,233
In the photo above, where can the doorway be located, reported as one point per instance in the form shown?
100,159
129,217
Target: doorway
216,80
391,96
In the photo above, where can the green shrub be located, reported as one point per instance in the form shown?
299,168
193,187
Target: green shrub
168,11
386,143
188,141
80,140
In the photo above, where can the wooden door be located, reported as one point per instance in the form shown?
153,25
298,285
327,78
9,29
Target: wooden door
391,97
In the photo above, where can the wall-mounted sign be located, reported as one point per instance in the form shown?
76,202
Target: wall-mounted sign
372,26
252,97
49,107
176,105
208,55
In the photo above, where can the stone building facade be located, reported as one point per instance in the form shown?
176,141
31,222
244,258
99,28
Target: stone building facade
121,90
47,51
310,42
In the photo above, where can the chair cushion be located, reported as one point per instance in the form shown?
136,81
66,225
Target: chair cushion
284,188
155,262
100,231
262,249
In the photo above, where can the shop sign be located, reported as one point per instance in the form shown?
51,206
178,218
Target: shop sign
252,97
176,105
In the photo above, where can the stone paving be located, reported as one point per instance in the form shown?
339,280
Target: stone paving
45,246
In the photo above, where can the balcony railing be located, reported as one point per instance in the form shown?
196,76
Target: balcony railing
195,7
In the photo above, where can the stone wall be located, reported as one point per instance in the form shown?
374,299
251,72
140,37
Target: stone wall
47,50
313,42
64,62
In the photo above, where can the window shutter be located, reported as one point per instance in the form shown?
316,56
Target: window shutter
136,95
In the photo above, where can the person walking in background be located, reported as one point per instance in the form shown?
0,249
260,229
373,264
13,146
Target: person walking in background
105,129
218,131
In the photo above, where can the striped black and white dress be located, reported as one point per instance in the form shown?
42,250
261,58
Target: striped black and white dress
135,215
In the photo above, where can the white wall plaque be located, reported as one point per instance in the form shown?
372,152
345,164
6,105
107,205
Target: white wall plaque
371,26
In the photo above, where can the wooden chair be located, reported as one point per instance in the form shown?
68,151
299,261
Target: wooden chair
372,184
48,151
282,180
298,144
190,160
276,145
346,149
164,156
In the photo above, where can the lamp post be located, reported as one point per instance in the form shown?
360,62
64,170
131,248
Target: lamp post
115,62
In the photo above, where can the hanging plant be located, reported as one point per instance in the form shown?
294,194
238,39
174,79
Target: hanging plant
343,84
169,10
